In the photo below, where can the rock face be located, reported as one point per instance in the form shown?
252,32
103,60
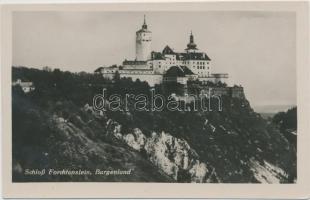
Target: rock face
173,154
177,159
168,153
136,140
266,172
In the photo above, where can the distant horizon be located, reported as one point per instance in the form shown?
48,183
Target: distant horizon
272,109
252,47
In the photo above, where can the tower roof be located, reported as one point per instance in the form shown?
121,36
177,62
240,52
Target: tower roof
191,44
144,26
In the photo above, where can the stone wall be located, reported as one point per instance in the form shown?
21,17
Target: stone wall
152,79
235,92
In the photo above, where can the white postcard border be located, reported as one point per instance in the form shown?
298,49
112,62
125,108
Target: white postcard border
162,190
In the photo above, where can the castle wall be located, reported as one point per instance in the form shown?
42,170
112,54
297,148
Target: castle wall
136,67
215,78
142,75
159,66
152,79
235,92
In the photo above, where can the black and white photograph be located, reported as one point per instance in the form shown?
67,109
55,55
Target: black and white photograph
154,96
155,100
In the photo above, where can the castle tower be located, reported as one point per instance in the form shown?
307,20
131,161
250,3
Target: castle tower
191,46
143,43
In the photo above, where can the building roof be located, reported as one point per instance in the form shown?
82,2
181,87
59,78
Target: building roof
178,71
98,69
157,56
168,50
110,67
195,56
134,62
181,56
143,31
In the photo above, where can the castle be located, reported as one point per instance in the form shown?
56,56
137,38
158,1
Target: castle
168,65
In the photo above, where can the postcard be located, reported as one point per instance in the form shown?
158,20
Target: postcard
156,100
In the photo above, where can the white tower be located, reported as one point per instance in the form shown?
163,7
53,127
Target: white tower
143,43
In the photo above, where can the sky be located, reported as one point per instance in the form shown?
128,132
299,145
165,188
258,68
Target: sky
257,49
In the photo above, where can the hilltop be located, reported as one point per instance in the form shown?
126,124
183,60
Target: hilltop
55,126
